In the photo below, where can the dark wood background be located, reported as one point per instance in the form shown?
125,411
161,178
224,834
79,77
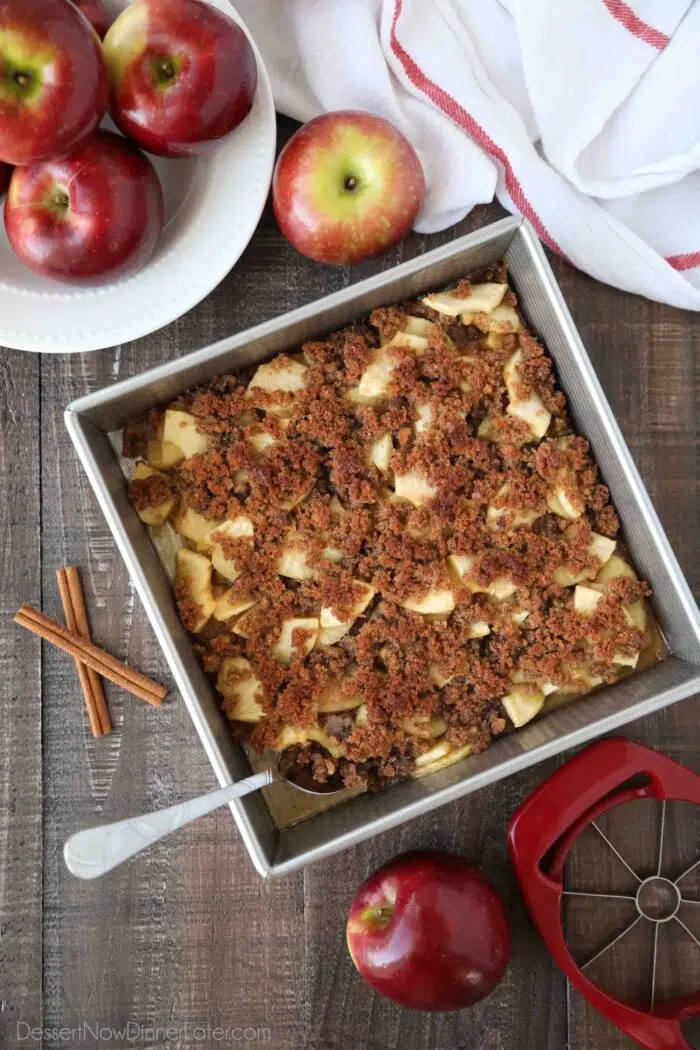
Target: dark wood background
188,935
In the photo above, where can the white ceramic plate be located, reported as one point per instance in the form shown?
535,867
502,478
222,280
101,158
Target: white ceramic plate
212,206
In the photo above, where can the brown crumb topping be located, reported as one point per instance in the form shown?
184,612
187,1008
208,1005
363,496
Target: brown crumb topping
151,491
363,501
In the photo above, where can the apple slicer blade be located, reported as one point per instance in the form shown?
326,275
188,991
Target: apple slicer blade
639,936
601,852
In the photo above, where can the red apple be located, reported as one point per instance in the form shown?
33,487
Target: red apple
428,931
96,12
53,81
183,75
5,173
346,186
94,214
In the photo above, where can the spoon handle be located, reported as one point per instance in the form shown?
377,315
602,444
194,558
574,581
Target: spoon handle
97,850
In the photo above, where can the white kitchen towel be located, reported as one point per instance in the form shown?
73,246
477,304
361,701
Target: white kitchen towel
581,115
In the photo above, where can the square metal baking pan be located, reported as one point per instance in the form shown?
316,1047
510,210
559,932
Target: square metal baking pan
276,852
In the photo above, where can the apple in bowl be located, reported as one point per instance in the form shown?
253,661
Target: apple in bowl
53,81
183,75
96,13
347,186
428,931
87,217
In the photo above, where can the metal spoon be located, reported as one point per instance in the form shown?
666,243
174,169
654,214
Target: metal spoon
95,851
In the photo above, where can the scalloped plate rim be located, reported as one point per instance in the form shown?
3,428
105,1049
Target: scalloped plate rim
192,286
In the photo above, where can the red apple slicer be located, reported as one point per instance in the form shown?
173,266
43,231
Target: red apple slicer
542,835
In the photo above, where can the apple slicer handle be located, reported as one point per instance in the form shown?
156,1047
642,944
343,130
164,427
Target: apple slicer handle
666,1023
95,851
541,834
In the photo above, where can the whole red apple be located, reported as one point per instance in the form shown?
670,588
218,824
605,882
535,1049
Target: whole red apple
183,75
94,214
96,12
5,173
53,82
429,931
346,186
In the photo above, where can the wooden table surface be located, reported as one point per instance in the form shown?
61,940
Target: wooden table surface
187,939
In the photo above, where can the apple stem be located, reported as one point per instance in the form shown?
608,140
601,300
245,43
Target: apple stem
166,70
350,183
378,915
21,79
61,200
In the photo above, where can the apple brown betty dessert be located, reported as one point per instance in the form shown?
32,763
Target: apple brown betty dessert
394,547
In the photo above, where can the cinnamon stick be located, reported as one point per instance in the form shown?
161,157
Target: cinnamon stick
84,672
76,620
82,627
105,664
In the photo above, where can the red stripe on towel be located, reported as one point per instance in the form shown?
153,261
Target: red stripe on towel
684,262
451,108
624,14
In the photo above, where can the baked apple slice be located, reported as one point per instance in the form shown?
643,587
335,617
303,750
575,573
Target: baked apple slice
601,548
439,600
333,629
241,690
522,703
482,298
414,487
530,407
163,455
180,428
305,628
240,528
193,589
156,513
333,698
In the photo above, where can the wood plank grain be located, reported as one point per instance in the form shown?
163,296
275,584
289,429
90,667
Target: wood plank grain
646,356
20,700
526,1010
187,934
321,1001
